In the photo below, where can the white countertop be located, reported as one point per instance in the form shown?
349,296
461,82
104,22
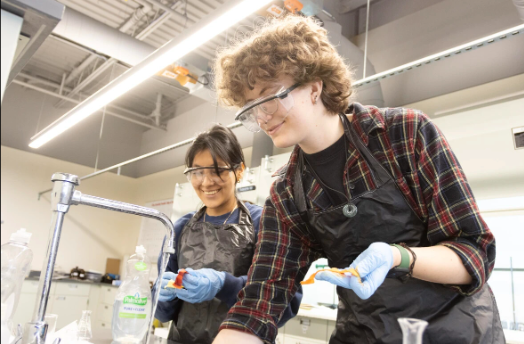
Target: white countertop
318,312
325,313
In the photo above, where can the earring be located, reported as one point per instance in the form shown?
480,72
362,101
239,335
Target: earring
315,101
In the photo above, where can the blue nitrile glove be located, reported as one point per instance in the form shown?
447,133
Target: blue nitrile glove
201,285
373,265
168,294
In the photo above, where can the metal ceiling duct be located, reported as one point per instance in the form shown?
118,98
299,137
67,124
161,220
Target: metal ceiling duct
40,17
90,33
104,39
87,31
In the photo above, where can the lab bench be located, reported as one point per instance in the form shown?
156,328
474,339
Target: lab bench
313,326
316,325
67,299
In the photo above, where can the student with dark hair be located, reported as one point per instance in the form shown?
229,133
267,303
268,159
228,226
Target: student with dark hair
215,244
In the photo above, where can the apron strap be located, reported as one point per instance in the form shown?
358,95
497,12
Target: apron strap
298,190
244,218
379,173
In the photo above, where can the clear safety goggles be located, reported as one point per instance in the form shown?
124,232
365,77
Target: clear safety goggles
254,112
196,175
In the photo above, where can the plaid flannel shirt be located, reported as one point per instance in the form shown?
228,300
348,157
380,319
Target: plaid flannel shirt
419,158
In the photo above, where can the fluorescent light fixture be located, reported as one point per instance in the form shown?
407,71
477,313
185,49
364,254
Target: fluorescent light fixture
478,43
215,23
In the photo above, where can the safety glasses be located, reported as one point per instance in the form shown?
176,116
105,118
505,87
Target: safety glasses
254,112
196,175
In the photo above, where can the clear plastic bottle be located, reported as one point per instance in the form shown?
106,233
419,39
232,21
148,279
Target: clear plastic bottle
16,262
132,307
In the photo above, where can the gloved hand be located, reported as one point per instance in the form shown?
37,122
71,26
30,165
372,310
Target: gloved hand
201,285
168,294
373,265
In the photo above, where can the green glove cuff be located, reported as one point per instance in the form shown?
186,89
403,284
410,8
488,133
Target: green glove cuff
404,259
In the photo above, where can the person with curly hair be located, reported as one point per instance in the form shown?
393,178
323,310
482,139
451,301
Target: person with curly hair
377,191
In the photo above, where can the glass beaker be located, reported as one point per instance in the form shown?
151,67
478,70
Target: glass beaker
412,330
84,327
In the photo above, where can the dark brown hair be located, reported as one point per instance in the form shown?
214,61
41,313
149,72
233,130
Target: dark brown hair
221,142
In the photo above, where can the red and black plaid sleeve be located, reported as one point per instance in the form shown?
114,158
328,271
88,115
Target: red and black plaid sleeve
281,260
453,217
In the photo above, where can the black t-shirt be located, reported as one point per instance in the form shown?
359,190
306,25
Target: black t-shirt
329,165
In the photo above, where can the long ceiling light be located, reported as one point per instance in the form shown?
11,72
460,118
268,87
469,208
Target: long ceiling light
223,18
481,42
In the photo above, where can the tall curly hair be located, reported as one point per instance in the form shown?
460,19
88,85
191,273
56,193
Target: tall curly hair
294,46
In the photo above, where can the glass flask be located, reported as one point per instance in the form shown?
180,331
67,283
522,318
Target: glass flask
84,327
412,330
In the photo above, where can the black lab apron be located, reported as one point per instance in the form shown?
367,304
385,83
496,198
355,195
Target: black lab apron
384,215
229,248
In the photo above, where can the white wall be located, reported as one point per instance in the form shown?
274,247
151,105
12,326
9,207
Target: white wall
25,112
89,235
479,132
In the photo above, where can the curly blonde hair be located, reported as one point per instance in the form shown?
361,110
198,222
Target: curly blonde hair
294,46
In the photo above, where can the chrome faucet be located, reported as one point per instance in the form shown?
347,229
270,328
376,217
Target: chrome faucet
63,196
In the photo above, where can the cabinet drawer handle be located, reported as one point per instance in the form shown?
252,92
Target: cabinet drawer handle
106,307
60,298
103,325
73,286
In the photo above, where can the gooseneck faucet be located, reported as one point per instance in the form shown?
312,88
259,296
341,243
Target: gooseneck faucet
62,197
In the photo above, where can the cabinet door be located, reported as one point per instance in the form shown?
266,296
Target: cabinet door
72,289
25,309
101,325
107,294
28,299
308,328
68,308
104,313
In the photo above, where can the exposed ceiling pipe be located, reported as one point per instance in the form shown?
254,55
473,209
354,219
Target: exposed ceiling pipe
117,167
157,113
37,80
133,20
141,46
109,112
520,8
87,31
91,33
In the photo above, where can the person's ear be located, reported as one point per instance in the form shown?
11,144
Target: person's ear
316,91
